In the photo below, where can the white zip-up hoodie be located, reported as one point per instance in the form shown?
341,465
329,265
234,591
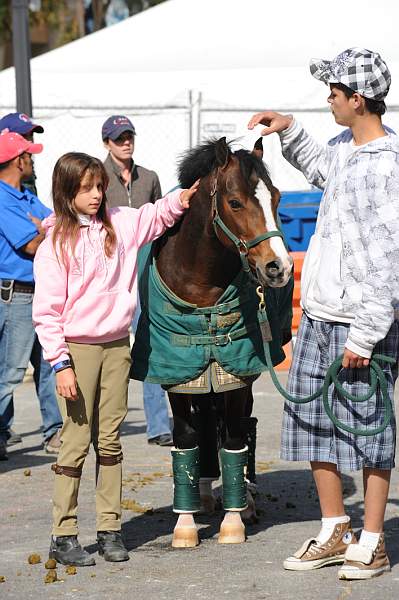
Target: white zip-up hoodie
351,269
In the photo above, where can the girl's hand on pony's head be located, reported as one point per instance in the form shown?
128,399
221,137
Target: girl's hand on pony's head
186,195
66,384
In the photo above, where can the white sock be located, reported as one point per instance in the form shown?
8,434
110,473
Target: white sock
232,517
185,520
369,539
327,527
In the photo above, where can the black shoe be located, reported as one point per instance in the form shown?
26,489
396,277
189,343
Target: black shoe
13,438
111,546
165,439
67,551
3,450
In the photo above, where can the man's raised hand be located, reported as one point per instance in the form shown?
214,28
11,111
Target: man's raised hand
274,121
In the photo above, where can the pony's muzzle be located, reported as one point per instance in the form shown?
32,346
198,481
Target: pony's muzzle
274,274
274,268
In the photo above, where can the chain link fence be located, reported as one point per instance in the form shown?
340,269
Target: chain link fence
163,134
318,123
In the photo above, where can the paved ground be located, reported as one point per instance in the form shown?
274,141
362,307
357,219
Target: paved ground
288,514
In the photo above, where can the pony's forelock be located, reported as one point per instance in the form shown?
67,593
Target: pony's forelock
200,161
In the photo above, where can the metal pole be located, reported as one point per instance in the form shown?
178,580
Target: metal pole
199,118
195,98
190,119
21,50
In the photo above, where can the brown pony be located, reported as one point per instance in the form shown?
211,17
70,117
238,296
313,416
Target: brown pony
230,226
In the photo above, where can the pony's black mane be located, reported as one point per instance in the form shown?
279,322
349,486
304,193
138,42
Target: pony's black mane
201,160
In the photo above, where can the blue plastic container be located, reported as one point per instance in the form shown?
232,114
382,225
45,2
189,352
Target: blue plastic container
298,214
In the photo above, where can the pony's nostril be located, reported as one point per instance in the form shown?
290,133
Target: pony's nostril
274,268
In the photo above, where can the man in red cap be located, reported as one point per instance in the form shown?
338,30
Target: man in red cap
20,236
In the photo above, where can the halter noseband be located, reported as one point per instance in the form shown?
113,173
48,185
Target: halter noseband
242,246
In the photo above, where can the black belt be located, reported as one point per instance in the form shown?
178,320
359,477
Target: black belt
23,287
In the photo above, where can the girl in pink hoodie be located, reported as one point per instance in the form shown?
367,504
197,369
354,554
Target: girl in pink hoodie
85,295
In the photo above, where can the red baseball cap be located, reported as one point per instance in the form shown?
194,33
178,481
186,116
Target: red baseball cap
13,145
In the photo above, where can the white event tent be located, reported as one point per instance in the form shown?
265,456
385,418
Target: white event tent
188,68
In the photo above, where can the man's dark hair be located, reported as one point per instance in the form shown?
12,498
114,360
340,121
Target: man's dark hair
376,107
3,166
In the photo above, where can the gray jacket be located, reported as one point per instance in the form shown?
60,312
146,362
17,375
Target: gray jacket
144,187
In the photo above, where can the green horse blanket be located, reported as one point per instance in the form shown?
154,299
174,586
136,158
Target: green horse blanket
175,340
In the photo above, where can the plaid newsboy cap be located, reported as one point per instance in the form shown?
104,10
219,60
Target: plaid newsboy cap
361,70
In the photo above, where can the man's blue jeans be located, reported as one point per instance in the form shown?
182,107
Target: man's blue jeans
18,345
155,403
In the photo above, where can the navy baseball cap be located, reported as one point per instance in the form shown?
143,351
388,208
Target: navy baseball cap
115,125
19,123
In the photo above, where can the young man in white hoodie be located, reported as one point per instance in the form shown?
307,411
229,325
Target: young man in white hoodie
349,288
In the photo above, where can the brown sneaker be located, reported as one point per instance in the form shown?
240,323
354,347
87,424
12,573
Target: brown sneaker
313,555
363,563
53,444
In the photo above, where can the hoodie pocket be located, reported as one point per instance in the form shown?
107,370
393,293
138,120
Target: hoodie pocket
328,287
100,315
310,266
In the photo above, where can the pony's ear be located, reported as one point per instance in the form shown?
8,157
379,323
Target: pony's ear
222,153
258,148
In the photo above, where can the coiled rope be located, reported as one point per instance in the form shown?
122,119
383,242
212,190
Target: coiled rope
377,379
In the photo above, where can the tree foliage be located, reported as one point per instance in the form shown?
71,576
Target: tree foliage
49,14
63,17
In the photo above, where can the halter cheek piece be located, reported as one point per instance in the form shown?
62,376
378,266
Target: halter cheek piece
243,246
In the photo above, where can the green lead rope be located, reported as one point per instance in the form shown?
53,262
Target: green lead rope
377,378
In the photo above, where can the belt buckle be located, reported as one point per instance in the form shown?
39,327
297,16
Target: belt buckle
6,290
223,340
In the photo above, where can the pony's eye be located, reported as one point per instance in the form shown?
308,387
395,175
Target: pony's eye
235,204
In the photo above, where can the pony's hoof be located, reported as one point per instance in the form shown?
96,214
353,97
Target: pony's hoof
185,537
208,505
232,533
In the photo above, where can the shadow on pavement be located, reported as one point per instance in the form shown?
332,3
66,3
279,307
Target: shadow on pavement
283,497
28,433
22,458
134,409
129,428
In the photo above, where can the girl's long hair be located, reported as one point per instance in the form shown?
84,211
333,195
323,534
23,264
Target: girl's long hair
68,175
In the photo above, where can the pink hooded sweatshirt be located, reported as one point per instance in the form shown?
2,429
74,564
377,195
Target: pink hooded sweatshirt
93,299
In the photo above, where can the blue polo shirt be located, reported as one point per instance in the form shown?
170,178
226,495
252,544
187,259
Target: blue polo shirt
16,230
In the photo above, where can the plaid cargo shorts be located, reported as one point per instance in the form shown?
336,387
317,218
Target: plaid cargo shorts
307,432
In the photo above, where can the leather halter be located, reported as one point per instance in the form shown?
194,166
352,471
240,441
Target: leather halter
243,246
